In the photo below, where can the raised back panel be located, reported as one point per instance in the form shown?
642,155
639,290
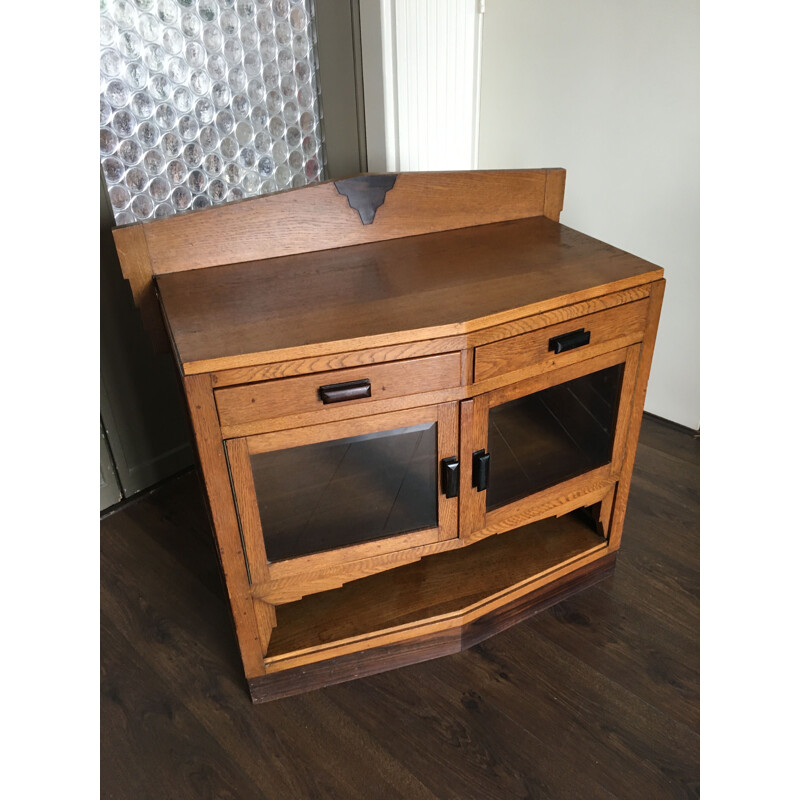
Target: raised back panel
326,216
319,217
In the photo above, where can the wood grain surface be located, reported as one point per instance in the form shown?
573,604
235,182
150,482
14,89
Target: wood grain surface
333,361
521,351
465,342
334,574
314,218
389,293
134,259
557,315
319,218
446,641
437,585
247,509
240,405
210,451
639,391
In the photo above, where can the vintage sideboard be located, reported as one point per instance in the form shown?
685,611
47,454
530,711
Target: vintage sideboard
415,399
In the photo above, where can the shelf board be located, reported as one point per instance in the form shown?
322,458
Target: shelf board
437,585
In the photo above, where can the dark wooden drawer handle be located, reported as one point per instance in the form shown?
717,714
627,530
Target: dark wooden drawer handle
340,392
569,341
450,476
480,470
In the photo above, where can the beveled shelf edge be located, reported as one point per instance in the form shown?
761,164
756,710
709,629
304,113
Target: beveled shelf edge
431,640
458,618
456,329
398,352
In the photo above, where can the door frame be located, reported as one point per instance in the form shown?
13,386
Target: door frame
594,486
264,574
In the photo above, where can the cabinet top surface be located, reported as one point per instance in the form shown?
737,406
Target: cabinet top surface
438,284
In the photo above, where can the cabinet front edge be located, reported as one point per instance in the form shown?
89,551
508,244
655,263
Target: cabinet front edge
406,337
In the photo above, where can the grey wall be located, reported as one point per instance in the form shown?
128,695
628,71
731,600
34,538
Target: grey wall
140,400
341,90
610,91
110,491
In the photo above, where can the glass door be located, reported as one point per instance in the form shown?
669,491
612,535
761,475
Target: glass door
345,491
542,439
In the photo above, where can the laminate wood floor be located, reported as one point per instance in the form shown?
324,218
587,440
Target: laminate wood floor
597,697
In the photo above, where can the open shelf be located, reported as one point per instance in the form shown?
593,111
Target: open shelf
436,585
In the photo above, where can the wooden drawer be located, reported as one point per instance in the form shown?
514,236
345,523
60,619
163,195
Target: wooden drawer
239,405
623,324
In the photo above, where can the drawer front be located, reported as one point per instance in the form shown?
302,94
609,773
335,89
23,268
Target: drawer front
560,343
239,405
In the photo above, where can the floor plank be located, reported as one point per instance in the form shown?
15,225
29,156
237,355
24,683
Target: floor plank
152,745
660,434
660,665
163,610
598,697
458,744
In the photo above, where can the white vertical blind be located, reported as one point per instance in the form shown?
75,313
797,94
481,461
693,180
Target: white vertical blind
431,78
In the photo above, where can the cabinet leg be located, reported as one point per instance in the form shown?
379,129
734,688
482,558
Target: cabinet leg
266,620
643,373
600,513
210,451
604,514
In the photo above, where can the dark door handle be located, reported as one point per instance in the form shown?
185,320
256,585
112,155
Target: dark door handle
569,341
480,470
339,392
450,476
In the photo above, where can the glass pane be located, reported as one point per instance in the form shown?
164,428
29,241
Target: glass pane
206,101
544,438
327,495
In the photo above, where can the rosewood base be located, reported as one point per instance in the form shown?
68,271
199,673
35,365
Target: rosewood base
428,646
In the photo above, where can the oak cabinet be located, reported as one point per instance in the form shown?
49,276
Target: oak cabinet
413,432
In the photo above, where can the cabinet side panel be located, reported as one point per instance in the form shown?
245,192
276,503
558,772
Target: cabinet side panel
626,399
134,259
637,409
211,455
554,193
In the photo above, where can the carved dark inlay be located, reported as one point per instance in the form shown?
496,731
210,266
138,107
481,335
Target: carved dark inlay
366,193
